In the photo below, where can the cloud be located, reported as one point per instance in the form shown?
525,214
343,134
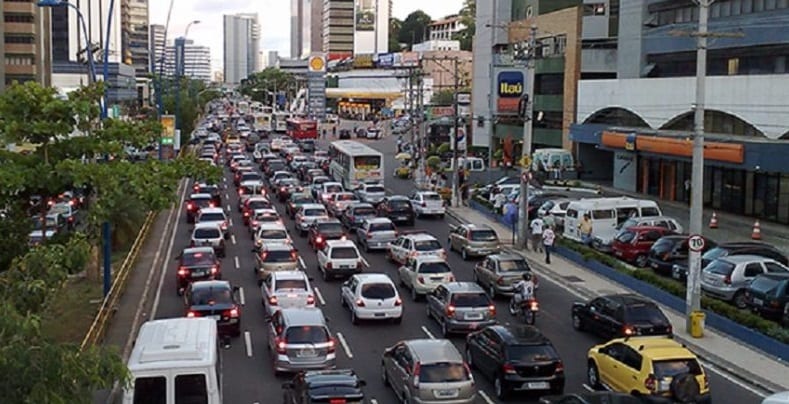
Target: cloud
222,6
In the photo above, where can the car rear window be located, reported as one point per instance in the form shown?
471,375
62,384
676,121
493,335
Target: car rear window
650,212
291,284
715,253
675,367
644,313
483,235
273,234
427,245
204,233
431,197
344,253
374,190
515,265
333,188
346,197
719,267
250,177
212,295
307,334
434,268
212,217
399,204
626,236
314,212
196,259
366,211
267,217
378,291
531,353
470,300
663,245
445,372
330,228
279,256
382,227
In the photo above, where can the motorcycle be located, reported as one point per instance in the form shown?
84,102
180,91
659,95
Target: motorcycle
528,309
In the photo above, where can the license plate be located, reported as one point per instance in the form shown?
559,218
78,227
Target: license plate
758,302
537,385
402,218
306,353
346,266
473,316
446,393
197,274
380,314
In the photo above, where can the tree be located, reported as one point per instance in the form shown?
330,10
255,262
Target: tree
414,28
395,25
443,97
468,18
261,85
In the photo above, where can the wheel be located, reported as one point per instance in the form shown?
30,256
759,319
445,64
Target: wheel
469,358
529,317
441,216
502,392
593,376
451,246
578,324
641,261
464,254
366,247
739,300
354,319
342,302
414,295
324,274
398,320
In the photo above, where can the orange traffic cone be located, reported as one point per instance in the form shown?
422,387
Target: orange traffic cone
714,221
756,234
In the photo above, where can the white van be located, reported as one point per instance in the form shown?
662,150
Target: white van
548,159
474,164
606,214
175,361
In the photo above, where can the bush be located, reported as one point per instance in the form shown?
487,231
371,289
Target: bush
433,162
443,148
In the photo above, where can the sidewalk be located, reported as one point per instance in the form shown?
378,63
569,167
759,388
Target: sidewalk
743,361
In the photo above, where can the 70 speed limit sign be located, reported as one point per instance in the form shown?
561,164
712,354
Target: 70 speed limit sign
696,243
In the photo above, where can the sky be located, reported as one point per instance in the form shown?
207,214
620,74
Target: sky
273,15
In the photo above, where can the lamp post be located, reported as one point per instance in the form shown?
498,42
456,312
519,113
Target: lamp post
81,18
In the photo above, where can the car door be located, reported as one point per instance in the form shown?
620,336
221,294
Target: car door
609,363
408,272
403,250
481,269
490,354
400,369
592,316
274,330
629,371
612,325
323,255
751,271
349,291
453,235
437,300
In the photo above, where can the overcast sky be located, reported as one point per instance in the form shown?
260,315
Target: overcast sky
273,15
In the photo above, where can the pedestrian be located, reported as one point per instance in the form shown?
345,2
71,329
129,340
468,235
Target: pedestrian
323,133
549,220
585,229
548,238
537,228
464,194
498,201
334,131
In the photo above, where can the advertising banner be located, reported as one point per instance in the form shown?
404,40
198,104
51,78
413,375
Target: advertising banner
365,15
316,86
409,59
386,60
509,85
168,129
363,61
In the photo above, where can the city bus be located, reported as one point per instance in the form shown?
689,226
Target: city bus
280,121
264,119
354,163
301,128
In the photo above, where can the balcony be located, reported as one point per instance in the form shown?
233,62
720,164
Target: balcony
20,48
19,7
19,27
20,70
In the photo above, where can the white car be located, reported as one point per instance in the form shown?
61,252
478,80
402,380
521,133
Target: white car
260,216
307,215
415,245
215,216
372,297
777,398
272,233
371,193
373,133
340,258
285,290
328,189
427,203
422,275
338,202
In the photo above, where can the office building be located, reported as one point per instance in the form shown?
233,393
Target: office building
371,29
338,28
436,45
306,27
156,38
296,27
241,46
445,28
134,31
197,61
268,59
26,50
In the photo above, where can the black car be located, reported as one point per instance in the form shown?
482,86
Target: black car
597,397
210,189
324,386
272,166
214,299
535,201
620,315
345,134
195,203
669,250
768,295
516,358
325,229
196,264
680,269
398,209
307,145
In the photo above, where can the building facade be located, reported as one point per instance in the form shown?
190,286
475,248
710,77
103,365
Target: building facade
134,26
306,27
241,43
445,28
156,46
26,49
197,61
338,28
436,45
371,27
296,27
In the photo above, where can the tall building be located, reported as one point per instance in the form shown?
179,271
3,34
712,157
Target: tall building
371,26
338,28
296,30
445,28
241,44
134,26
26,51
197,61
268,58
306,27
156,38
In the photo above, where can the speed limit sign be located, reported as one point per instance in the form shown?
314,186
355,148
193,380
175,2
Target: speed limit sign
696,243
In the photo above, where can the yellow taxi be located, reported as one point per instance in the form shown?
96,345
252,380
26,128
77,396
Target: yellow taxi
654,366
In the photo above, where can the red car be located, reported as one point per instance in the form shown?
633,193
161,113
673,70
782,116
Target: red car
633,243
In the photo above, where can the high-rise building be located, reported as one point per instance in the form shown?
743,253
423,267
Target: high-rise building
371,26
296,31
241,44
134,31
306,27
156,38
338,28
268,58
26,51
197,61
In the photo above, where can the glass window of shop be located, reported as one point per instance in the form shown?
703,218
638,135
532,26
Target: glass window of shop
766,191
728,189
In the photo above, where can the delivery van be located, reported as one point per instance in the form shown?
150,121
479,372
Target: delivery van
606,214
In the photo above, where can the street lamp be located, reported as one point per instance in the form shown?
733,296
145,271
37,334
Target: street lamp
186,32
88,47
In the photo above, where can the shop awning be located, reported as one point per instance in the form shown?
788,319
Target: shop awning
363,93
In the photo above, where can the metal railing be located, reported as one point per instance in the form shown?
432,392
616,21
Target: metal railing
100,323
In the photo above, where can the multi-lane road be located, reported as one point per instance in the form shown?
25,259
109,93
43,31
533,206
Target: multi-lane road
247,375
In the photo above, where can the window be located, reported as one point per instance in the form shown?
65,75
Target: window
753,269
758,6
549,84
19,38
191,389
733,66
18,18
769,4
773,267
150,390
631,359
594,9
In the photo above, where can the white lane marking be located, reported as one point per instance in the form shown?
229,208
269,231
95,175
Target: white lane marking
224,179
345,346
320,296
227,196
228,207
230,222
373,401
248,343
301,262
587,387
429,334
167,257
235,261
242,299
486,397
233,239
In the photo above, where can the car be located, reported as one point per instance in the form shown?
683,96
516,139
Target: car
311,387
209,234
214,299
287,289
216,216
727,278
768,295
777,398
371,193
604,241
323,230
523,360
654,366
593,397
316,185
287,186
680,269
271,233
273,179
498,273
473,240
274,165
306,215
620,315
669,250
398,209
212,189
299,339
261,216
68,211
339,258
311,173
339,201
248,190
277,257
371,297
428,371
307,145
460,307
414,244
327,189
356,213
252,204
196,264
422,274
248,175
373,133
295,201
633,243
344,134
376,234
427,203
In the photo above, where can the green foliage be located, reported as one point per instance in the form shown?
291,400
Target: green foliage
468,19
443,148
260,85
414,28
434,162
443,97
395,25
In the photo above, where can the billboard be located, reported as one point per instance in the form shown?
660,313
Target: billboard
386,60
365,15
409,59
510,86
168,129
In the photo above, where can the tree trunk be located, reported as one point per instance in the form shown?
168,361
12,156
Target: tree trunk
92,270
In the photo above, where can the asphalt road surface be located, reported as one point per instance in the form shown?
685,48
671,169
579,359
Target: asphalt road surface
246,372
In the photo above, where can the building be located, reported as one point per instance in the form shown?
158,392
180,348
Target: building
156,46
436,45
268,59
338,28
197,61
371,27
219,76
241,45
306,27
445,28
439,66
26,51
134,31
296,30
635,130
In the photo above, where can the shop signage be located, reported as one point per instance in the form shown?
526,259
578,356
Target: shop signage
386,60
510,86
630,141
363,61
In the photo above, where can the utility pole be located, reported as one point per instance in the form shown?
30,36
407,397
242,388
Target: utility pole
455,164
491,105
420,114
529,54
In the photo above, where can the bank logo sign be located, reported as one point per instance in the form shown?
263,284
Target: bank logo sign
510,86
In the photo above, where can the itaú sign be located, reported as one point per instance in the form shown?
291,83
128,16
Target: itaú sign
509,89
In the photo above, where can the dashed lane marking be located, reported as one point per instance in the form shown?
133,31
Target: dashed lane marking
230,221
429,334
345,346
587,387
373,401
227,196
241,296
303,265
248,343
486,397
233,239
320,296
228,207
235,261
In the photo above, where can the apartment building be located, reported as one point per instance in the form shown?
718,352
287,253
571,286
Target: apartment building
26,49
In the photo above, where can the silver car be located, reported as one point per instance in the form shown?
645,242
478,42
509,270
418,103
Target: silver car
473,240
209,234
460,307
338,202
727,278
277,257
299,339
499,272
217,217
376,234
285,290
371,193
308,214
428,371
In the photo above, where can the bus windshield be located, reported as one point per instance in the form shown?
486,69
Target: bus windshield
367,162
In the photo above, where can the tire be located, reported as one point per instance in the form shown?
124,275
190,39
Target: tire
739,300
469,359
641,261
384,377
398,320
354,319
499,386
366,247
492,292
342,302
578,323
444,330
428,313
685,388
441,216
593,376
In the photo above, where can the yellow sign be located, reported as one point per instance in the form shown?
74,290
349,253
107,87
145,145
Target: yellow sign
317,64
525,161
168,128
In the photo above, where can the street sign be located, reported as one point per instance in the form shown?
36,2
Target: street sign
696,243
525,161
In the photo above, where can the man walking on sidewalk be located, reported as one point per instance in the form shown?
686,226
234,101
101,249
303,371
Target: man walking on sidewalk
548,238
536,226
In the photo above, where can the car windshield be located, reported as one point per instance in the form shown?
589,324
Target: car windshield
531,353
766,284
288,182
212,217
314,212
399,204
291,284
470,300
434,268
626,236
483,235
644,313
334,188
443,373
344,253
198,259
374,190
427,245
279,256
259,204
366,211
378,291
675,367
209,189
431,197
211,296
514,265
206,233
302,200
719,267
663,245
330,228
273,234
307,334
381,227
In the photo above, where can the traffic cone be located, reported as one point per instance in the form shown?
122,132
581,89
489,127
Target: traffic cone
756,234
714,221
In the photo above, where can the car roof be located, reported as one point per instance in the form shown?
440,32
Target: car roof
332,220
657,347
202,285
745,258
505,257
303,316
272,226
200,196
198,250
312,206
277,247
744,244
421,259
332,183
378,220
397,198
426,193
433,350
472,226
289,275
252,183
207,225
340,243
329,378
360,205
647,228
212,210
373,277
521,334
463,287
420,236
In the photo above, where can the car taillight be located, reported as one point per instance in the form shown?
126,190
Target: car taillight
272,300
310,299
241,192
255,223
246,213
332,346
359,303
319,239
214,270
328,265
424,204
344,237
369,235
450,310
360,262
492,310
628,330
281,345
398,302
559,367
190,206
191,314
182,271
263,255
233,312
293,254
451,278
727,280
508,369
420,279
650,383
417,369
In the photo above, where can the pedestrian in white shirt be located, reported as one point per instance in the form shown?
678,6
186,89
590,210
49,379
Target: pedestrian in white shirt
537,225
548,238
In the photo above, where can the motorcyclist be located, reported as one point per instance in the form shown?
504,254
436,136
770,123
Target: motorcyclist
524,291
